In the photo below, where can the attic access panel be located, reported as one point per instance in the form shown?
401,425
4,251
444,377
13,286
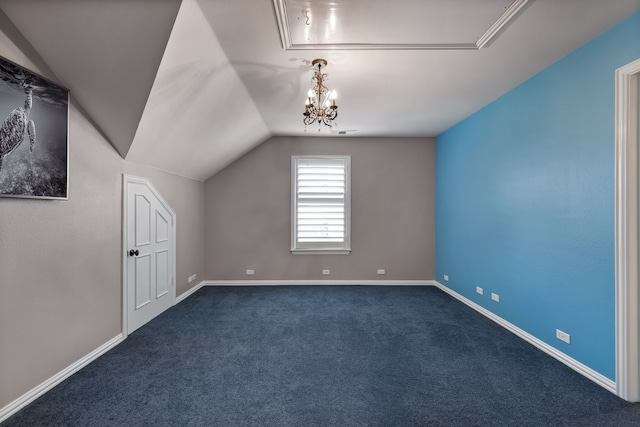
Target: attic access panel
402,24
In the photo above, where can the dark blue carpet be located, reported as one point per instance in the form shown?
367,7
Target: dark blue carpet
325,356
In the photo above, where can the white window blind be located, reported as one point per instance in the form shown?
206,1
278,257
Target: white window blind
321,204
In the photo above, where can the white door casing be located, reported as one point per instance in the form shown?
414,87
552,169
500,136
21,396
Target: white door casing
627,239
148,253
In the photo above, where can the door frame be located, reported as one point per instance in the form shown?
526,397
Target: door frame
126,179
626,231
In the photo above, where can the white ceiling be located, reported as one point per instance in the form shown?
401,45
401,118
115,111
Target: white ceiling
199,116
190,86
100,51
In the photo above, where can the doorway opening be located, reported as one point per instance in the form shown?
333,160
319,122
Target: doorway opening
627,240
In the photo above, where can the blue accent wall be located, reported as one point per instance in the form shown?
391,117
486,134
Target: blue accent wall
525,200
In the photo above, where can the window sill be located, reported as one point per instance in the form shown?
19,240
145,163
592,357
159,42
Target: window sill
320,251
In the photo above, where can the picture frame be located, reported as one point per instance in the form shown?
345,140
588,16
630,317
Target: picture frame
34,135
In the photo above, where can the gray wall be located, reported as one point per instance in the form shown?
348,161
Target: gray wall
248,212
60,261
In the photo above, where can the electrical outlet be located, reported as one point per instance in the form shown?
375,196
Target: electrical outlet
381,271
563,336
326,272
495,297
446,278
250,272
192,278
479,290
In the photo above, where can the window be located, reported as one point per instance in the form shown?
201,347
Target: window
321,204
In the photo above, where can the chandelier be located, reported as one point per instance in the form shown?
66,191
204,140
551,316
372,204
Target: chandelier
321,102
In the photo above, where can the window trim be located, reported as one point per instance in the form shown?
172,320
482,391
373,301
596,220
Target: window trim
343,248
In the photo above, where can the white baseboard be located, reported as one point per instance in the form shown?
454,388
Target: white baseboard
184,295
586,371
41,389
319,282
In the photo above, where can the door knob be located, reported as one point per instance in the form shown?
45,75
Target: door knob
132,252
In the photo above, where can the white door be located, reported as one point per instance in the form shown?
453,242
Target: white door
149,253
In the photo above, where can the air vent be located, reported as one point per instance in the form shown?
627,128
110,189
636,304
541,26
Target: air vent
343,132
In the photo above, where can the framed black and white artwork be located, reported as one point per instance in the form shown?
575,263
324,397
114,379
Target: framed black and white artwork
34,135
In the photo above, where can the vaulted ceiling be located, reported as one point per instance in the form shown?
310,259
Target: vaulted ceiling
189,86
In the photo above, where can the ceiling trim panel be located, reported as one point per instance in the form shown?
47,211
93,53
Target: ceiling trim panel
284,28
504,19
